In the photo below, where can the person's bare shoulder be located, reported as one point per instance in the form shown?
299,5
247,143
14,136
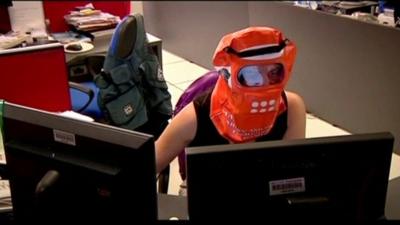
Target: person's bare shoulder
296,116
295,100
176,136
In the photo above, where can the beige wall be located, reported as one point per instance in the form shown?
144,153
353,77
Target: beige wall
137,7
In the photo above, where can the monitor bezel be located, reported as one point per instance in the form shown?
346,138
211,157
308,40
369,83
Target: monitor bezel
269,148
56,121
129,143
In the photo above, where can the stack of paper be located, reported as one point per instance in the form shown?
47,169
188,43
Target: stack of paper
89,19
69,37
5,196
2,155
11,39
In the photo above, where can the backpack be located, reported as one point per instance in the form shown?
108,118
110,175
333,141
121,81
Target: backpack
132,91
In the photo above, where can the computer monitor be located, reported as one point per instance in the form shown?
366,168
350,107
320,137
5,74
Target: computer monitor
341,178
63,170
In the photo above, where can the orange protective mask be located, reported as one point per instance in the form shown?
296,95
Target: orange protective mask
254,65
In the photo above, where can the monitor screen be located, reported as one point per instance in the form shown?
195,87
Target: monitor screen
341,178
65,170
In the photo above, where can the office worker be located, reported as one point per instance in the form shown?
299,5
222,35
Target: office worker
248,102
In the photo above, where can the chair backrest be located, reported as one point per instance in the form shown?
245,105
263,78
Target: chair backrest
197,87
35,76
133,93
81,98
132,89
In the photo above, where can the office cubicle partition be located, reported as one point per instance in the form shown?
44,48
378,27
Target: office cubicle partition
35,76
346,70
193,29
5,25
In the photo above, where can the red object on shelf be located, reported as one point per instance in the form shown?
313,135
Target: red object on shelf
54,11
36,78
5,25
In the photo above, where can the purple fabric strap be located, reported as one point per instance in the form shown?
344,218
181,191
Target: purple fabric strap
198,86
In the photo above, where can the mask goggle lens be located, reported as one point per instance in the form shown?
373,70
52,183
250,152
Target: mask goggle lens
261,75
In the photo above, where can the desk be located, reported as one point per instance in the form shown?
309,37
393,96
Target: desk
392,209
76,63
350,7
102,41
172,206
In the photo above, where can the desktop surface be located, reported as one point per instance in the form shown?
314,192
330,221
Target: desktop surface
392,208
102,41
172,207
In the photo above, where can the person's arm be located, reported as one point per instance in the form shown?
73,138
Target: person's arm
296,117
176,136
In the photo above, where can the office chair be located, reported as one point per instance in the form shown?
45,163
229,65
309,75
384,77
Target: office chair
196,88
83,91
87,92
128,49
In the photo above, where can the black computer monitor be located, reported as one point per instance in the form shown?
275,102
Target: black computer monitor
341,178
63,170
